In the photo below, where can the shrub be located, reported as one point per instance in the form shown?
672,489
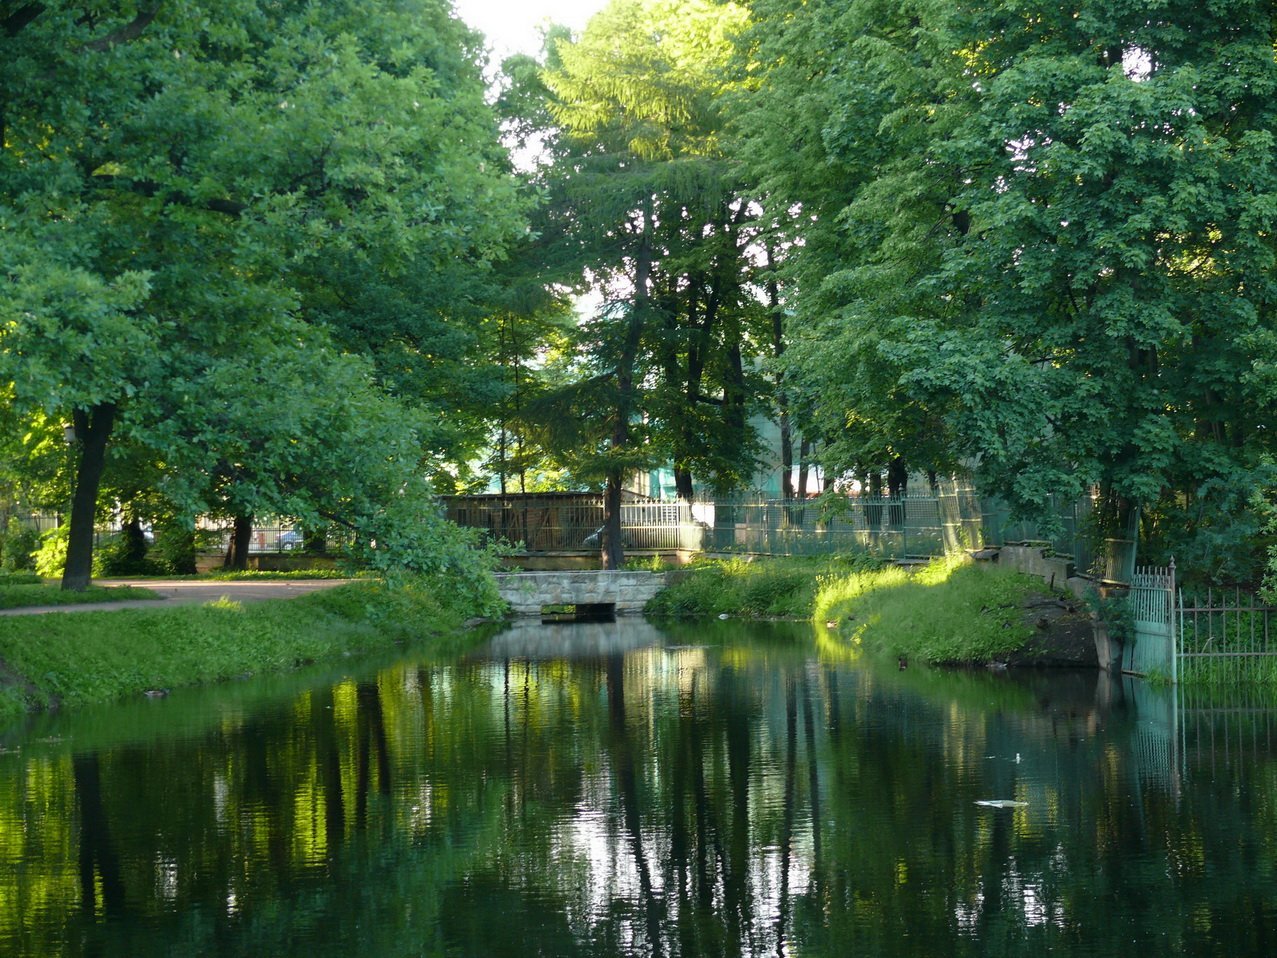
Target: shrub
17,552
177,545
51,557
113,557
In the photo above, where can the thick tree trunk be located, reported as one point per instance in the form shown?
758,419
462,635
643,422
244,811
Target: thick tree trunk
782,397
613,549
683,485
92,430
315,540
241,537
134,544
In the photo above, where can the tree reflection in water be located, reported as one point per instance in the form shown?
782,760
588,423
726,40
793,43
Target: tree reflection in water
615,789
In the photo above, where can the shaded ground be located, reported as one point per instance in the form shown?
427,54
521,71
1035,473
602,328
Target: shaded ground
1062,634
189,592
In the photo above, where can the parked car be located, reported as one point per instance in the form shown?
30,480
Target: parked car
291,539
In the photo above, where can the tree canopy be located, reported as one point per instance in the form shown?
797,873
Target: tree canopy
1033,244
210,213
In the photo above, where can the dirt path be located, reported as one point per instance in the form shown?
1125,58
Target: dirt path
189,591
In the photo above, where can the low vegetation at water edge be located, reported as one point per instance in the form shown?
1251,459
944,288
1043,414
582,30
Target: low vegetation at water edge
951,611
76,658
763,588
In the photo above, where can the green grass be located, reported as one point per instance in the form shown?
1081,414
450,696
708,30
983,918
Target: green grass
766,588
219,575
948,612
76,658
49,593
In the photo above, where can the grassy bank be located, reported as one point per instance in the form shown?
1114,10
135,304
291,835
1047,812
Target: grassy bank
950,611
76,658
765,588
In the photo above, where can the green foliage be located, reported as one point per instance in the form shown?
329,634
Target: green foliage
1032,240
233,305
112,557
1114,610
18,548
949,612
226,575
80,657
649,564
19,592
766,588
51,557
175,547
19,578
645,204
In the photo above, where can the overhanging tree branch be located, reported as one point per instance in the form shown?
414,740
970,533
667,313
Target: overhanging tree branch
130,31
149,188
13,24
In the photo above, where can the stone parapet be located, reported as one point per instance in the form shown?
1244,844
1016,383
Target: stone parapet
627,592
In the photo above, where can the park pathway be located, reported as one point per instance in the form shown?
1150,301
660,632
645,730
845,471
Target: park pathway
188,592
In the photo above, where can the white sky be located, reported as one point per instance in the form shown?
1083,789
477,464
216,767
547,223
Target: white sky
511,25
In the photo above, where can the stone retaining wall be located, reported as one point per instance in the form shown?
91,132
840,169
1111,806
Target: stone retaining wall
1056,571
529,592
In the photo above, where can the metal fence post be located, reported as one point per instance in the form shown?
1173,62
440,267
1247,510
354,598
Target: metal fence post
1174,631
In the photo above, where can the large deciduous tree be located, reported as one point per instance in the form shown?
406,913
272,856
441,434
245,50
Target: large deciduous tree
190,190
1048,242
642,190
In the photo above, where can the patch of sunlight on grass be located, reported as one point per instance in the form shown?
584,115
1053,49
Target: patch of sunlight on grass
947,611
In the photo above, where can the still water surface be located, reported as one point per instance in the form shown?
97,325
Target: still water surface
626,790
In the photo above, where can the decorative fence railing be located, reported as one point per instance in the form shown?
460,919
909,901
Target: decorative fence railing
568,522
914,525
900,527
1151,600
1219,637
1224,636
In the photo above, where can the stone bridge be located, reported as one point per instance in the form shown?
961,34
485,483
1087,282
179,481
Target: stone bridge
618,591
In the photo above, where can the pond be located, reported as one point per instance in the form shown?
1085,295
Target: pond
624,789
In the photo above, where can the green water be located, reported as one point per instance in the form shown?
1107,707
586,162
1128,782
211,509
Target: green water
621,790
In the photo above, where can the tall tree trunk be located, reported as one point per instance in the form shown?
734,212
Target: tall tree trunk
804,451
612,548
782,397
683,485
241,537
92,430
